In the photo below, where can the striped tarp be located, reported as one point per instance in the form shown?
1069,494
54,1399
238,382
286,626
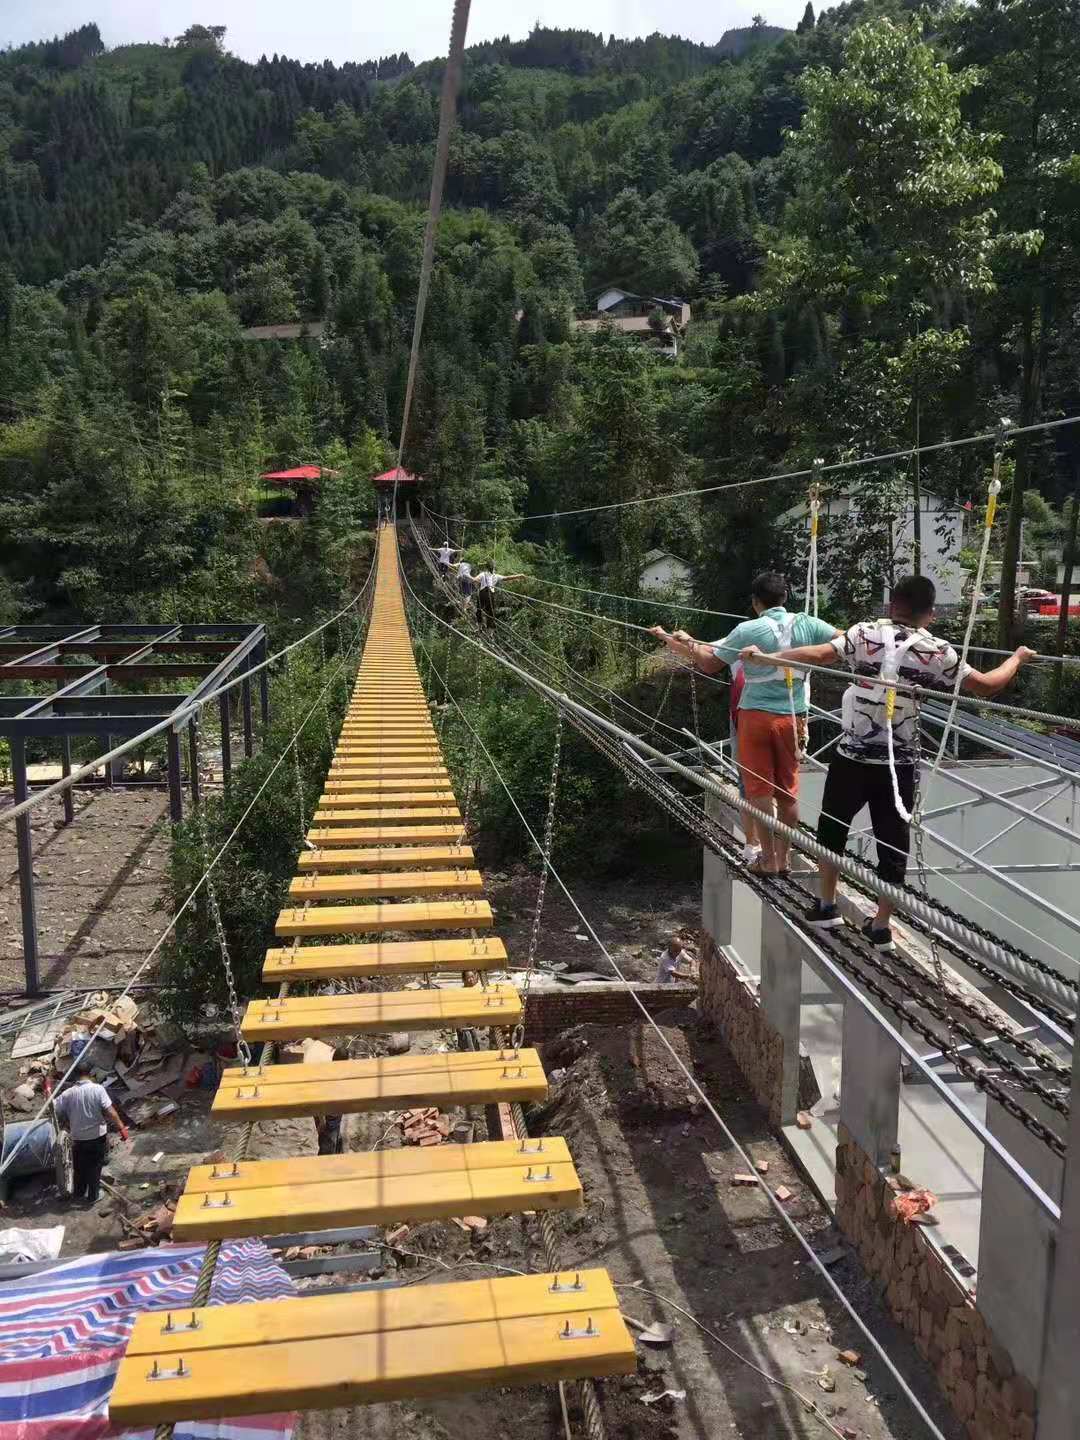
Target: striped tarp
63,1332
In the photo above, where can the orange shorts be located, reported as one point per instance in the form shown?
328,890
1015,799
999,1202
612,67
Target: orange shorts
768,760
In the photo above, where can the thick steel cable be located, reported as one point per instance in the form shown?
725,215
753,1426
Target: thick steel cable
732,1139
447,108
900,897
179,715
1021,957
777,479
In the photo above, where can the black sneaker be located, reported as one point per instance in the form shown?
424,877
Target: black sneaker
823,917
879,938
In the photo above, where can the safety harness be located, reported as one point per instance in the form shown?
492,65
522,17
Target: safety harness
884,693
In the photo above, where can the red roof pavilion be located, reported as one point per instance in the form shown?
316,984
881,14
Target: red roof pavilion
402,477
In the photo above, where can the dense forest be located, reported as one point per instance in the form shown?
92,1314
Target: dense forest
872,219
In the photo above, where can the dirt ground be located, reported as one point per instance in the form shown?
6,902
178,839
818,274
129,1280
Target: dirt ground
98,888
661,1211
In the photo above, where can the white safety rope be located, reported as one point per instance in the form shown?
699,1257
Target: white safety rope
993,492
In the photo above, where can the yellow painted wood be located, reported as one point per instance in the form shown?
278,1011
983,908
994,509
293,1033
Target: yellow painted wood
363,1353
387,957
390,750
370,919
389,816
382,1068
505,1084
383,1013
383,834
323,1317
380,799
278,1209
363,781
411,857
417,1307
404,882
354,1165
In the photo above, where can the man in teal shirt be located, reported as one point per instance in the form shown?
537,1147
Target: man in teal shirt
772,708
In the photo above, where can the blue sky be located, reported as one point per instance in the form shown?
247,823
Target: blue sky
360,29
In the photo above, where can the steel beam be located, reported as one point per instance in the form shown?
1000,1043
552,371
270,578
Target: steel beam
25,848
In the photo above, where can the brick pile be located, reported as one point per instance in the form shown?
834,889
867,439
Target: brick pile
731,1002
976,1373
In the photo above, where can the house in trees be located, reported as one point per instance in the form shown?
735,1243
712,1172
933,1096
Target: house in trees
658,322
298,487
292,330
664,573
873,529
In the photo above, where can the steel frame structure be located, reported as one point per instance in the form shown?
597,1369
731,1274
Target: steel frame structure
92,667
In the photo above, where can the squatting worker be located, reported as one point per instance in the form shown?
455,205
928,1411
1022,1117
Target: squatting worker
486,581
674,963
901,647
769,736
86,1109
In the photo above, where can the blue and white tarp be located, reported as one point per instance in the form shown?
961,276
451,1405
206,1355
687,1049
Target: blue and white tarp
63,1333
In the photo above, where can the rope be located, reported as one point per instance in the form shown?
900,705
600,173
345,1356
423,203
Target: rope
976,594
777,479
447,106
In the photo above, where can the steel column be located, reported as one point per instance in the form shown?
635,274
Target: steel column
65,770
1057,1390
25,848
176,790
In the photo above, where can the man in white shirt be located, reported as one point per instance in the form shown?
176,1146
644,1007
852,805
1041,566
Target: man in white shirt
859,772
85,1108
486,580
444,555
465,578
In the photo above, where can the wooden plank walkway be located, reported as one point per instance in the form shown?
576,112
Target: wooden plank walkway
388,861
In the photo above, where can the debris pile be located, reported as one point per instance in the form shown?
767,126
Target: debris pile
425,1127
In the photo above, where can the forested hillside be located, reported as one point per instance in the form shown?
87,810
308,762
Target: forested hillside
873,220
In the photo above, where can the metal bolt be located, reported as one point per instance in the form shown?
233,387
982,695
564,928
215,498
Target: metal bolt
166,1329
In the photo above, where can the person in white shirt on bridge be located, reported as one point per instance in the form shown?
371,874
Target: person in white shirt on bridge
486,581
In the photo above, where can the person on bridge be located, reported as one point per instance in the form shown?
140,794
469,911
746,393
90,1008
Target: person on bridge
444,555
899,647
486,581
772,711
465,580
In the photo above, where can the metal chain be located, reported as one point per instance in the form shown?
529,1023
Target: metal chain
541,889
243,1050
472,770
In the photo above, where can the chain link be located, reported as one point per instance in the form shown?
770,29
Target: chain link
541,889
243,1050
295,742
325,701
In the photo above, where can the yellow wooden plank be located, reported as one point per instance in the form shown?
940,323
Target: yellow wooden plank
403,882
386,957
496,1085
323,1317
383,779
378,1004
388,816
370,919
409,1160
280,1209
384,1366
424,1010
380,799
329,1073
382,834
411,857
